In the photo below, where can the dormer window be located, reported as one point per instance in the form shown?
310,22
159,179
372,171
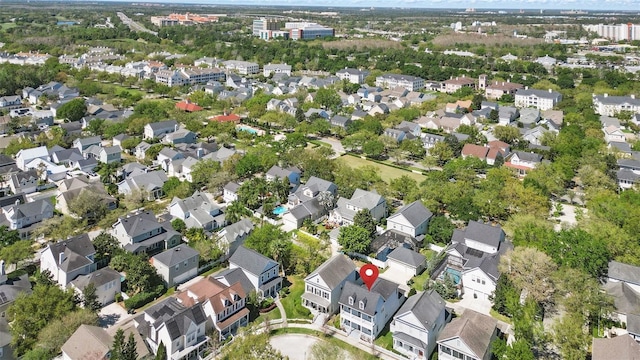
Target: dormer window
351,300
361,305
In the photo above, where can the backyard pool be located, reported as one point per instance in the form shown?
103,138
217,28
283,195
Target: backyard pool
247,129
280,210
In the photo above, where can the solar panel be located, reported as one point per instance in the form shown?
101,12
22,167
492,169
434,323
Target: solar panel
474,252
3,298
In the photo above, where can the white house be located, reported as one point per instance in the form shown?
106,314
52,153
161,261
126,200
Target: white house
411,219
406,261
262,272
361,199
366,312
157,129
613,105
539,99
468,337
25,156
107,283
68,259
417,324
324,285
199,210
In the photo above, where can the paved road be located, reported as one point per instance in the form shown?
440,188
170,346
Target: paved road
134,26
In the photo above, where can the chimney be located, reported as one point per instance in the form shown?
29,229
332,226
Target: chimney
606,95
526,88
2,270
199,153
550,91
633,96
175,127
61,258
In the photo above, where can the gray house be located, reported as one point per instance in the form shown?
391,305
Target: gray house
106,281
157,129
323,286
143,233
234,235
10,289
262,272
411,219
177,264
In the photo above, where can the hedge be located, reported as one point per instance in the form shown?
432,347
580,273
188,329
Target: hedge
143,298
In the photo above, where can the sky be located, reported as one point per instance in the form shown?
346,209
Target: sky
633,5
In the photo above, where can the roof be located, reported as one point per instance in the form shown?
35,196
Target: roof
380,291
251,261
545,94
97,278
616,100
624,272
76,251
226,118
392,239
474,329
528,156
175,317
334,270
176,255
232,276
88,141
238,229
633,324
477,151
426,306
622,347
407,256
88,342
480,232
163,125
186,105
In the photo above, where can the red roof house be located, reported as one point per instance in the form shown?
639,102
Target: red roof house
226,118
188,106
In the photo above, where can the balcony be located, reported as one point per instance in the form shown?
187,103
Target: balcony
193,352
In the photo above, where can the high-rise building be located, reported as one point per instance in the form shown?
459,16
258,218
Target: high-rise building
265,24
618,32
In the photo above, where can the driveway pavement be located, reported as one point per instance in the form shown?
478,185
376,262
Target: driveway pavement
113,314
397,276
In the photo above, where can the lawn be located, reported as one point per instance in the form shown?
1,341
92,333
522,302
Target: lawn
385,339
386,172
7,25
293,302
271,315
419,281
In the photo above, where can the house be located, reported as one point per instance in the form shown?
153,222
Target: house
68,259
417,324
47,169
522,162
188,106
269,69
24,182
534,136
88,342
149,183
176,265
181,329
621,347
223,305
507,114
227,118
497,89
142,232
366,312
70,189
411,219
230,192
66,156
361,199
473,257
10,289
181,136
476,151
262,272
390,240
157,129
406,261
166,156
340,121
118,139
22,216
468,336
86,165
140,150
199,211
106,281
10,102
354,76
292,173
110,154
627,178
395,134
25,156
234,235
613,105
539,99
452,85
82,144
613,134
411,83
529,117
324,285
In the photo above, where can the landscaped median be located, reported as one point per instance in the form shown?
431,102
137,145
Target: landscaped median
386,172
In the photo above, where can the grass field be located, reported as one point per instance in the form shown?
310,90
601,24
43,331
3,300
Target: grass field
386,172
7,25
293,302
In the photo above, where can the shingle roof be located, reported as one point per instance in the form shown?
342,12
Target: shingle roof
483,233
624,272
633,324
622,347
474,329
251,261
97,278
545,94
408,257
139,223
238,229
359,293
425,306
175,255
233,276
163,125
88,342
334,270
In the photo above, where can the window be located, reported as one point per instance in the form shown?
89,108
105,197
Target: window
361,305
350,300
177,266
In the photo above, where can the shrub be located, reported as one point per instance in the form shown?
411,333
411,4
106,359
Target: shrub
143,298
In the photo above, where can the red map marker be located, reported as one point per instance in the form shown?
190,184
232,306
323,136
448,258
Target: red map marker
369,274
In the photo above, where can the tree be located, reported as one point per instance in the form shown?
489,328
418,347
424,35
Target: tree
442,152
354,239
178,225
96,127
236,211
88,205
106,246
161,354
136,199
327,200
203,171
16,252
325,350
529,269
7,236
508,134
505,296
373,148
121,349
404,187
328,98
251,346
494,116
31,313
476,102
364,220
58,331
570,337
262,238
74,110
440,229
141,275
90,298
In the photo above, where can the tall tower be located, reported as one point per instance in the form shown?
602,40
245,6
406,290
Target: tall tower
482,82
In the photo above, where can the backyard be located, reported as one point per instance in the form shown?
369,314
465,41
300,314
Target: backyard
292,303
386,172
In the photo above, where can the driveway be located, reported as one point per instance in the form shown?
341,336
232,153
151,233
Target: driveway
397,276
113,314
294,346
335,145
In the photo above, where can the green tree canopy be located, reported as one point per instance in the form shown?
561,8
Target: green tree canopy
74,110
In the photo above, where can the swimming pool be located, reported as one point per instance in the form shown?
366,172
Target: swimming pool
280,210
248,129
